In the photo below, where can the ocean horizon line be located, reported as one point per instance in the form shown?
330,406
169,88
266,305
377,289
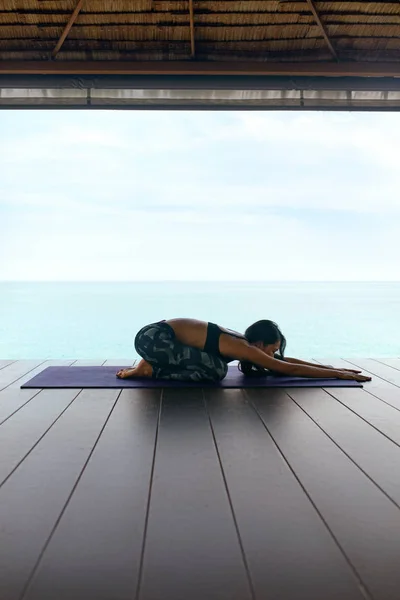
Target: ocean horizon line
180,281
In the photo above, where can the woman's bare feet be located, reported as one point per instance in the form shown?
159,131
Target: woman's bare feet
143,369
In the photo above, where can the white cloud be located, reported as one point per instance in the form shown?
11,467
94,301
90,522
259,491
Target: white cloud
200,196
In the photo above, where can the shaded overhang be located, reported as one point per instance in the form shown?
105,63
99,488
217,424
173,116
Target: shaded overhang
200,54
180,86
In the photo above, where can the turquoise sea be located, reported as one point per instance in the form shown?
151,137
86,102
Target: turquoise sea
99,320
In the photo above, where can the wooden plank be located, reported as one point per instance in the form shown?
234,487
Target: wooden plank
390,362
375,454
13,399
16,385
32,500
192,549
364,522
5,363
100,536
25,428
381,415
383,390
372,366
274,515
309,69
15,371
83,362
119,362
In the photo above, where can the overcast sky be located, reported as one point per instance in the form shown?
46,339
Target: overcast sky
124,196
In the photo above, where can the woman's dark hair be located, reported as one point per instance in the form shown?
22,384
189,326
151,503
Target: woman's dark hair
266,332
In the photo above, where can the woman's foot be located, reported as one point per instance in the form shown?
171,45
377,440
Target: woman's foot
143,369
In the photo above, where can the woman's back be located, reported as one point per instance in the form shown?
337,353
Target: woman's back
193,332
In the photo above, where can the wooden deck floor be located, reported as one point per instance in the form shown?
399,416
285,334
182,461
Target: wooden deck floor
199,495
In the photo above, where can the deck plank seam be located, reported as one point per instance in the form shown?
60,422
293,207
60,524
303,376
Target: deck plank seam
372,393
78,359
21,376
20,407
9,364
47,542
244,558
362,418
147,516
363,587
385,364
347,455
372,373
39,440
382,400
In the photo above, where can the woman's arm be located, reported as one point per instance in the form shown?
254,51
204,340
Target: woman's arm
240,350
285,367
296,361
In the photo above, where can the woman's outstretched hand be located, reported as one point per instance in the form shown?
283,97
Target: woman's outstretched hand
354,375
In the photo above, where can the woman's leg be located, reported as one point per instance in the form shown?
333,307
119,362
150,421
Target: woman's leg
197,368
170,359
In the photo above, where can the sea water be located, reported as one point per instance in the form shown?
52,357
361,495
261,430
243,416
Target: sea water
100,320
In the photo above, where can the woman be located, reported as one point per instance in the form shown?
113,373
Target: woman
192,350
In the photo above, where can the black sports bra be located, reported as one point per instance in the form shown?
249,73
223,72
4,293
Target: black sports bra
212,342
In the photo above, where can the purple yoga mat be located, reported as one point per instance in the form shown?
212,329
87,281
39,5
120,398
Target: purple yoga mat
105,377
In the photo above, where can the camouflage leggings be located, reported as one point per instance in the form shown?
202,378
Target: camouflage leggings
171,359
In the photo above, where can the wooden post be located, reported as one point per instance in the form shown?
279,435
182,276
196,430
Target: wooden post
191,17
322,27
67,28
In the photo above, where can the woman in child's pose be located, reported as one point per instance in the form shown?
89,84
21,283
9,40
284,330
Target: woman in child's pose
191,350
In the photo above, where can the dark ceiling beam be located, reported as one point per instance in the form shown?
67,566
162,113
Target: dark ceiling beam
67,28
192,41
314,11
306,69
201,82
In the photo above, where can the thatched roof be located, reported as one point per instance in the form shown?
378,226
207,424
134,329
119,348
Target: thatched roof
220,30
269,53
